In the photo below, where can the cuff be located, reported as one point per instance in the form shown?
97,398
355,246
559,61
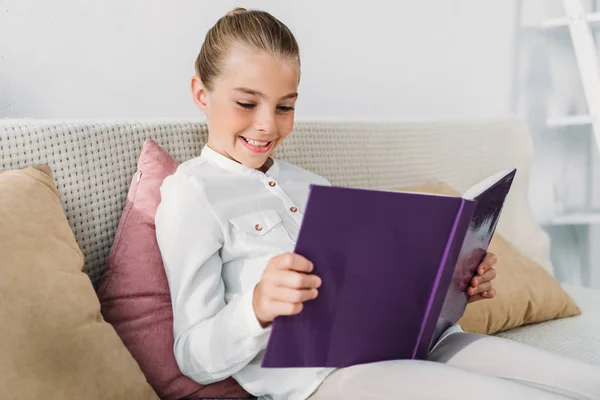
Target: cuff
254,327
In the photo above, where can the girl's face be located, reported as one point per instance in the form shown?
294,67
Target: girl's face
250,109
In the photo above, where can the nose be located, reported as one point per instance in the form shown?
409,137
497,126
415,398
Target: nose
265,121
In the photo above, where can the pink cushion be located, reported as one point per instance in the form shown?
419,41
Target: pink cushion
134,291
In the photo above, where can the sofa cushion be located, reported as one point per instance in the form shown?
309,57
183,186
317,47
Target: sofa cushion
576,337
54,343
525,292
134,290
95,160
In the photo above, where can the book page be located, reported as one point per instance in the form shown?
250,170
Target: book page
485,184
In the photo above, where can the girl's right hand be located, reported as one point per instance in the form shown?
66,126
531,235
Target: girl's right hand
286,283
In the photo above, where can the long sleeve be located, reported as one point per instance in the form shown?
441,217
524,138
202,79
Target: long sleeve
213,340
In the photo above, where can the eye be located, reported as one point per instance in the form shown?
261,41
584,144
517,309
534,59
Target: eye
245,105
285,108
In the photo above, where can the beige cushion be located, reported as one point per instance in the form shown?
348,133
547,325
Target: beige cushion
525,292
54,343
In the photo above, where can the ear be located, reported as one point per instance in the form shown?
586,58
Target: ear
199,94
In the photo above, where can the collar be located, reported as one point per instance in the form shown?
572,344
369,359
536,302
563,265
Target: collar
234,166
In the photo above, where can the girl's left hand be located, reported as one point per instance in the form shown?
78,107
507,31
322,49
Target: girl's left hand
481,284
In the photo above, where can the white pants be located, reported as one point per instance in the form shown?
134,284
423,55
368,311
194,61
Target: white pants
464,366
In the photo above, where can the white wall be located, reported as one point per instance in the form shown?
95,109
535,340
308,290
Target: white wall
370,60
374,60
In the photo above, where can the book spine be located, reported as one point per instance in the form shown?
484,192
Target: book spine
440,271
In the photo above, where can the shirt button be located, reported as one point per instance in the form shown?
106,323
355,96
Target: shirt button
258,227
272,183
293,209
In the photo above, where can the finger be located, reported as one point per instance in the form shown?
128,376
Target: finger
489,275
488,262
282,308
297,280
287,295
475,298
483,287
295,262
490,294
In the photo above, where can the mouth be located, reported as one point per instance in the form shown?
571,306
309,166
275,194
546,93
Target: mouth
257,146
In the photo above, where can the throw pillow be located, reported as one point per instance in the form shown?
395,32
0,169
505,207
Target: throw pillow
53,340
525,292
134,291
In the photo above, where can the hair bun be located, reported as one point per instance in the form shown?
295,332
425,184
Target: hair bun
235,11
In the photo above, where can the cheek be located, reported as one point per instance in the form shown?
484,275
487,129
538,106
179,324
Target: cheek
285,123
232,119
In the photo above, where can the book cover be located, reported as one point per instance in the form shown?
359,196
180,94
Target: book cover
489,197
386,261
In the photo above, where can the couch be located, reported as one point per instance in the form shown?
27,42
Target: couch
93,162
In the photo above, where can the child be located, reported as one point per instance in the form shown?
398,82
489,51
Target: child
226,228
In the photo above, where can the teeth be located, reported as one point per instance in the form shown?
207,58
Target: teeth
257,143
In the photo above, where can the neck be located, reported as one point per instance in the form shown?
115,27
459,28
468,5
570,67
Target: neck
265,167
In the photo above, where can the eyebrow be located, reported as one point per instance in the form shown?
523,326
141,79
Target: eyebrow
259,94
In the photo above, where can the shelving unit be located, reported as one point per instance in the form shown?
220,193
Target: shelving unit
579,25
573,222
573,120
577,218
593,19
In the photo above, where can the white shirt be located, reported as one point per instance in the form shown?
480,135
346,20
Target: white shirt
217,226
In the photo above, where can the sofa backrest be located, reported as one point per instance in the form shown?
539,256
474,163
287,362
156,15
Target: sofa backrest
93,163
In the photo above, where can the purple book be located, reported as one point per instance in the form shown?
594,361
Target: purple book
394,267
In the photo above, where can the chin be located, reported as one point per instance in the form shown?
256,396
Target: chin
254,164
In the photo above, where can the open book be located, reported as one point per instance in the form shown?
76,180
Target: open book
395,267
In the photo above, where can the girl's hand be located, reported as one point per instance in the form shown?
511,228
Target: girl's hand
285,284
481,284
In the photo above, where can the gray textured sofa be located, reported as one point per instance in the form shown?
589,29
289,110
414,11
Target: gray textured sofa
93,162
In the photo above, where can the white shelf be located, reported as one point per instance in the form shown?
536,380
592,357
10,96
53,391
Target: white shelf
581,218
574,120
592,18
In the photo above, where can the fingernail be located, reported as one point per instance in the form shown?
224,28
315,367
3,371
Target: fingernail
485,294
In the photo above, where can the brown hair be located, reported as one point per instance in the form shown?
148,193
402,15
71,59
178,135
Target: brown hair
252,28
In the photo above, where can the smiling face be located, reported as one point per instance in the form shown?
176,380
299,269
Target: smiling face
250,106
